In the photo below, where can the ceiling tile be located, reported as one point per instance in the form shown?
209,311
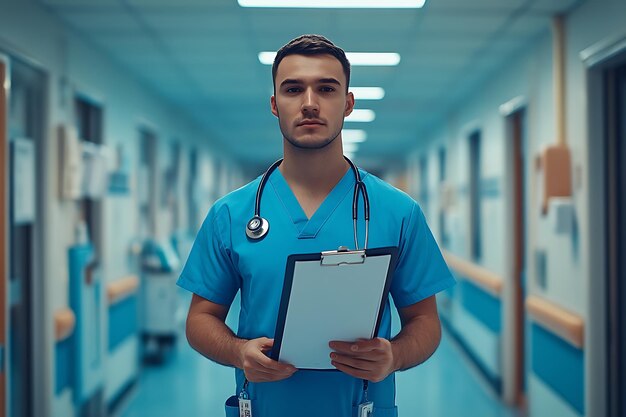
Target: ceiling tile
550,7
111,21
79,3
478,6
197,23
461,25
529,25
133,47
185,4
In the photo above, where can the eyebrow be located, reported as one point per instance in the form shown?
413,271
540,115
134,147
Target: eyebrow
291,81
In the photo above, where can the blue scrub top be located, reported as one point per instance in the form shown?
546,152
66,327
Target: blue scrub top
224,261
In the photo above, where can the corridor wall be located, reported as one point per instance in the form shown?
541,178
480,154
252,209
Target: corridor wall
30,31
562,378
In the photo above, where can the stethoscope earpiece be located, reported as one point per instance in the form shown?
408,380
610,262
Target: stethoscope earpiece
257,228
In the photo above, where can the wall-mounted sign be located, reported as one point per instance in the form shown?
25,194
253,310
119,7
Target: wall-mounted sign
23,180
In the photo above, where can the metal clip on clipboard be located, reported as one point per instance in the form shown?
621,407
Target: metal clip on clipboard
343,256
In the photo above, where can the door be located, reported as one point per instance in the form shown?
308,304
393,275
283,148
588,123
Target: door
615,137
423,184
147,184
3,228
517,123
89,116
475,196
192,192
443,230
25,332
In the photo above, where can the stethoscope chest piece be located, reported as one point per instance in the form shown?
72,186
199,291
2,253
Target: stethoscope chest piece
257,228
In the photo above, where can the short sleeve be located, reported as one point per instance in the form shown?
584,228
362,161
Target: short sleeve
421,270
209,271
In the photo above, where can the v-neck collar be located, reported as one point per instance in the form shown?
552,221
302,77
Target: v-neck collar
308,228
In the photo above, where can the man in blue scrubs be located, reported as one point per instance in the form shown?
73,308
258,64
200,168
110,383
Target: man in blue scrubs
308,202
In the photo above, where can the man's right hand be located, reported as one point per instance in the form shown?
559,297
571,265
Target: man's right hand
258,367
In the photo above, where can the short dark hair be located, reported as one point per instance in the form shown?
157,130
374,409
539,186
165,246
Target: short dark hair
311,45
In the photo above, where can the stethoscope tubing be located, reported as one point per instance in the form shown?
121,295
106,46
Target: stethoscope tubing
262,225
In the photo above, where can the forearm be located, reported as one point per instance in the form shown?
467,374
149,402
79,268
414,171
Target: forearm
416,342
212,338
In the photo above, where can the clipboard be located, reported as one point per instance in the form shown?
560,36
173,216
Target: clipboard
336,295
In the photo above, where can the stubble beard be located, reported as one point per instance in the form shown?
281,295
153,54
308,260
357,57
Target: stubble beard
316,145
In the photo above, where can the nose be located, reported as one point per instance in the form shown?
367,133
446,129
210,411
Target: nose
309,101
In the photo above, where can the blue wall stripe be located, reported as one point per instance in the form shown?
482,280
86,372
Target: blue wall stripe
560,365
63,360
122,321
482,305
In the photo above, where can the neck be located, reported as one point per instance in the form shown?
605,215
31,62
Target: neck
317,170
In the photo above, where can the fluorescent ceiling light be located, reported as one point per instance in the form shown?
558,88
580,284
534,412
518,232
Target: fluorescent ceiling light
373,58
368,93
343,4
355,58
353,135
267,58
361,115
336,4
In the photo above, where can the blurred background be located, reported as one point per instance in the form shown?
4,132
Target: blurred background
122,121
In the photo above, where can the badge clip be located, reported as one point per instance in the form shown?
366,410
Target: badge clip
245,404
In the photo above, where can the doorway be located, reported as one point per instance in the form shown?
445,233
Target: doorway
475,196
443,234
89,116
615,229
147,183
517,130
24,129
192,192
4,66
423,185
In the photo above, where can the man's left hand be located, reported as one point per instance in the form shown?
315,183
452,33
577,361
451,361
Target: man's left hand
372,360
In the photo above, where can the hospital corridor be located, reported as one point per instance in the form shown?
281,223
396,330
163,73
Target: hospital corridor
337,208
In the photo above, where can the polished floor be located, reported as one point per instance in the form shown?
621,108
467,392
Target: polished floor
190,385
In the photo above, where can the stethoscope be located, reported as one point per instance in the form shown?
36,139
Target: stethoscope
258,227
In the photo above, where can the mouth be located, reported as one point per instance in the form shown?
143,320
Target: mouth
310,123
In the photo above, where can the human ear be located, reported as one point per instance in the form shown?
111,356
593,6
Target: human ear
349,104
273,106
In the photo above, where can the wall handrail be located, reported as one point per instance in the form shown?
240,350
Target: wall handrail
482,277
122,288
563,323
64,323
